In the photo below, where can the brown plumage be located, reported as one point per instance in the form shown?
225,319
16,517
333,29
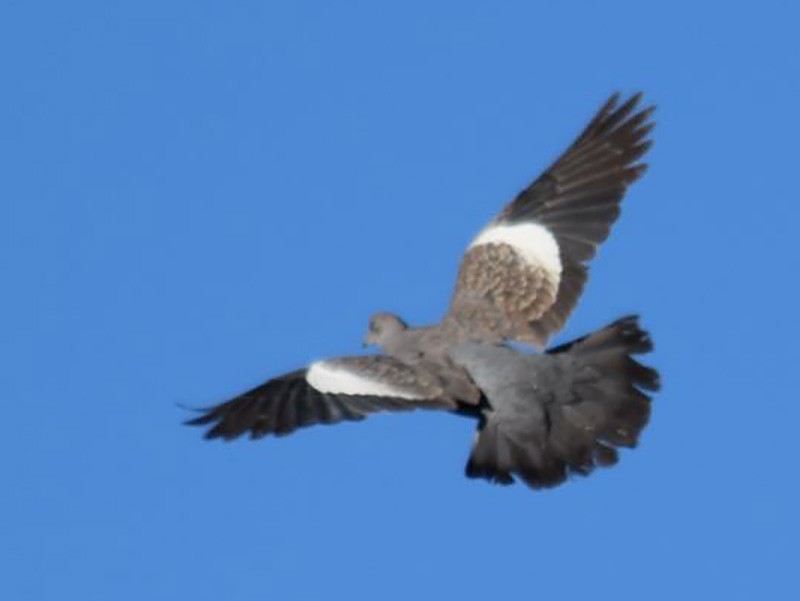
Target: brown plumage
577,199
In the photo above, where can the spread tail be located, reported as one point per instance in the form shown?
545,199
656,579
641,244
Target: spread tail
578,403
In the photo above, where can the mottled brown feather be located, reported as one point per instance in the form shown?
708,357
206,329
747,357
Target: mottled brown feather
578,200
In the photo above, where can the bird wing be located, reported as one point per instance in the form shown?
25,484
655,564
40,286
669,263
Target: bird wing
326,392
521,277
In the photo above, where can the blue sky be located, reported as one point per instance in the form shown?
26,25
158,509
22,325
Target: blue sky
199,195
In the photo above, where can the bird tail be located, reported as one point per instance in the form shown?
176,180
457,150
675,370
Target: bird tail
580,402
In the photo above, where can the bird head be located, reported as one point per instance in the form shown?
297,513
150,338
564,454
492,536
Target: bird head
382,327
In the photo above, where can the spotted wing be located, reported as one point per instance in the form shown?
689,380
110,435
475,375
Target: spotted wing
522,276
345,388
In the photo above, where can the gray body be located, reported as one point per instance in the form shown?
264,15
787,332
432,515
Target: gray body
545,416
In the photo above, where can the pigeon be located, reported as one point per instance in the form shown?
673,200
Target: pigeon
541,416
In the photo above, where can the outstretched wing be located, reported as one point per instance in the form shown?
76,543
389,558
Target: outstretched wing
345,388
522,276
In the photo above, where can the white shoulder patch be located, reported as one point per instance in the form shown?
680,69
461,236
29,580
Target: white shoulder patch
532,241
330,378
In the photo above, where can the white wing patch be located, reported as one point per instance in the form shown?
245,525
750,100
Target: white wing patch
335,379
532,241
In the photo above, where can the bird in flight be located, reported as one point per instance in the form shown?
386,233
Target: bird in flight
540,417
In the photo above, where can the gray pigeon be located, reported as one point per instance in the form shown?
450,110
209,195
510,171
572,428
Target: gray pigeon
541,417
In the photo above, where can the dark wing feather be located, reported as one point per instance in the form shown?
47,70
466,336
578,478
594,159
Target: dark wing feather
288,402
578,198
